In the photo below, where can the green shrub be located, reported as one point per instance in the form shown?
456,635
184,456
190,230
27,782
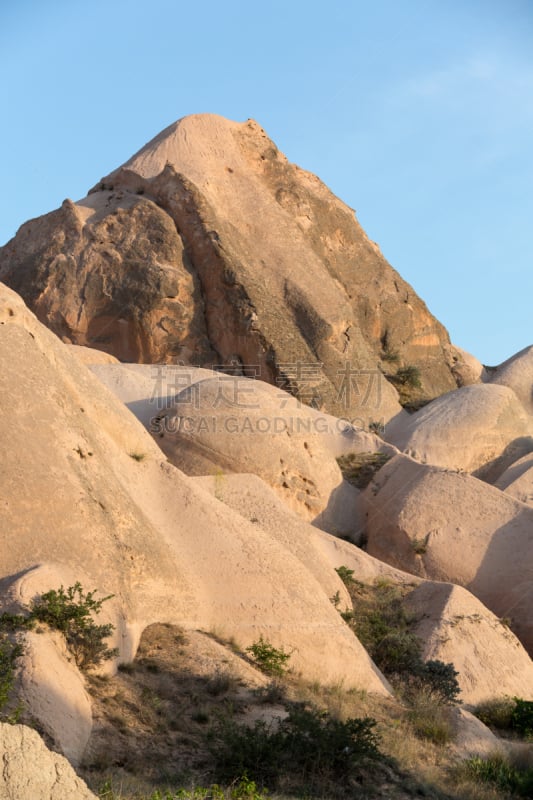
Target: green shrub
269,659
377,427
107,792
70,611
247,790
9,652
14,622
522,717
306,749
440,681
398,652
345,574
390,355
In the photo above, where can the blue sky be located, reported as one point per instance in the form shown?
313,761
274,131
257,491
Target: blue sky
418,114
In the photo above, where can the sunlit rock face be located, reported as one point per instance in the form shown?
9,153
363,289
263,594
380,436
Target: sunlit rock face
209,248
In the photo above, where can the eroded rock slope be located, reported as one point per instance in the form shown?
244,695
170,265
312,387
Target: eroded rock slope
210,248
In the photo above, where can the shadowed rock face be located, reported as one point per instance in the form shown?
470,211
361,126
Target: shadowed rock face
210,248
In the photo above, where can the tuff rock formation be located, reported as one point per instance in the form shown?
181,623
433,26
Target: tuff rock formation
88,496
470,429
209,248
188,494
445,526
30,770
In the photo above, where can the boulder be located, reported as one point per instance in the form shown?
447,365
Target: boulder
30,770
517,480
452,527
517,374
467,429
473,738
148,389
466,368
231,424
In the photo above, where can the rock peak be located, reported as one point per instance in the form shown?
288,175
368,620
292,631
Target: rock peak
209,247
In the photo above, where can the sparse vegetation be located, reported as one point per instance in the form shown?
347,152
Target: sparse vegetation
158,751
381,623
220,683
345,574
513,779
407,376
390,355
137,456
407,381
377,427
430,720
269,659
360,468
420,546
243,789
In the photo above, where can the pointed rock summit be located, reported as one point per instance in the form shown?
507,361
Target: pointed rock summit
208,247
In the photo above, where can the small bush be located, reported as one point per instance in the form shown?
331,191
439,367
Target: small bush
522,717
420,546
378,613
407,376
9,652
398,653
70,611
390,355
345,574
247,790
308,748
268,658
377,427
440,681
128,667
15,622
